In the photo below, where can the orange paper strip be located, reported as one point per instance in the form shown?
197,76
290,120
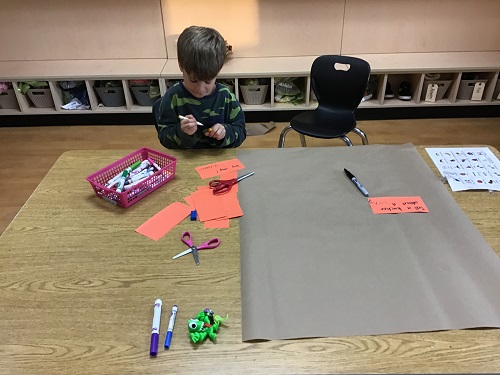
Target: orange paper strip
162,222
397,205
221,167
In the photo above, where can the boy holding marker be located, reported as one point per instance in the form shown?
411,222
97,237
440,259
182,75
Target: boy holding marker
199,112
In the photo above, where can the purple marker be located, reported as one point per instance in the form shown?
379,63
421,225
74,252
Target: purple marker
155,331
154,164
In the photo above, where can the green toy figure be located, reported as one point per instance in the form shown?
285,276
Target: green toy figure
205,324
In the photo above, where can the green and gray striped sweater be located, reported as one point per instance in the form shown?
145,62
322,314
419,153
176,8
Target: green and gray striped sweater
220,107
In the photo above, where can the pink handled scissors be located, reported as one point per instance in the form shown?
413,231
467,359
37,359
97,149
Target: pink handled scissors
187,238
224,186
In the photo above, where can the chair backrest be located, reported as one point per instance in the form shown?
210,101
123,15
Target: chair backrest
339,81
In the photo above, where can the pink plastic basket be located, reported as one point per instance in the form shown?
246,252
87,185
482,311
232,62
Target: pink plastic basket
99,179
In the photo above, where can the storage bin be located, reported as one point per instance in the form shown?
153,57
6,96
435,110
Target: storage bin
441,91
8,100
99,179
254,94
41,98
466,88
141,94
497,91
111,96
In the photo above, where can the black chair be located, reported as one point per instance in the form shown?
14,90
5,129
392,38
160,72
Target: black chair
339,83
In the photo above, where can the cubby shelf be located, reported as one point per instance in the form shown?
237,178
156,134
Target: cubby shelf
388,68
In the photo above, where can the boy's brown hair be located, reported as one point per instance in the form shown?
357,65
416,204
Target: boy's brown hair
201,52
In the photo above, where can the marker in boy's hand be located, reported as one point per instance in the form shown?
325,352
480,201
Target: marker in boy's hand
189,125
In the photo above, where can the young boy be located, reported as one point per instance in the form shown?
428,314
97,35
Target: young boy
199,99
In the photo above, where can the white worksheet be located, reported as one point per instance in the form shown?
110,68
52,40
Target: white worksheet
467,168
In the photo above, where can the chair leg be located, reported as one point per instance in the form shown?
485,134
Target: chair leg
361,134
281,142
302,140
346,140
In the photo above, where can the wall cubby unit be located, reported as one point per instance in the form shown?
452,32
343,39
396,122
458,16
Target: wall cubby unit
455,75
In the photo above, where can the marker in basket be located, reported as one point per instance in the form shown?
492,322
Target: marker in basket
121,183
131,185
116,179
144,164
140,176
154,164
185,118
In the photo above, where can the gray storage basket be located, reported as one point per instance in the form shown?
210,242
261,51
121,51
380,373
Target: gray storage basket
8,100
254,94
497,91
41,98
111,96
141,94
442,88
466,88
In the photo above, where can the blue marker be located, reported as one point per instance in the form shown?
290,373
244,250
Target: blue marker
170,330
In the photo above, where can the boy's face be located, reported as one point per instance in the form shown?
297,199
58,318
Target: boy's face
197,88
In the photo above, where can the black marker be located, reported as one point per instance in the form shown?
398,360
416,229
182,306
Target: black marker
356,183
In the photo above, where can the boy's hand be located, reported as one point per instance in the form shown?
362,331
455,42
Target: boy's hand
217,131
188,125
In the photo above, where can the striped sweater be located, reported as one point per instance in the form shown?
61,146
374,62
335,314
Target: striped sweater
220,107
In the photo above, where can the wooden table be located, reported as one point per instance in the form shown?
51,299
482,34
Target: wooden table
78,284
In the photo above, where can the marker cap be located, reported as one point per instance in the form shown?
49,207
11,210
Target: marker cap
153,349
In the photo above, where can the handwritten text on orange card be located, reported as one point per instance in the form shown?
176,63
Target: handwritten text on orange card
397,205
221,167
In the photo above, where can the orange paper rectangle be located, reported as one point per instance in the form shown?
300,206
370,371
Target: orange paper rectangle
397,205
221,167
217,223
189,200
231,204
162,222
207,205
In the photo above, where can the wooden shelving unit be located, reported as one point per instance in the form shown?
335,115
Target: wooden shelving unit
392,68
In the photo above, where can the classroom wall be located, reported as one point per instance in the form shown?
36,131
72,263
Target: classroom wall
395,26
89,29
110,29
261,28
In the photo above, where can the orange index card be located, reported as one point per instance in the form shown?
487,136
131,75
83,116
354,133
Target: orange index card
221,167
397,205
162,222
207,205
216,223
229,175
231,204
189,200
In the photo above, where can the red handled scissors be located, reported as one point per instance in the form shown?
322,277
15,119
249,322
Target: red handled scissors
224,186
187,238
